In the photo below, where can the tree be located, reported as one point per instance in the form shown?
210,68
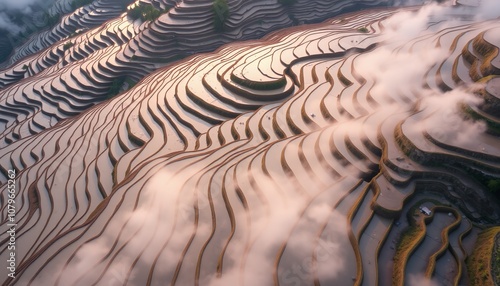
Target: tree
146,12
221,13
363,30
494,185
115,87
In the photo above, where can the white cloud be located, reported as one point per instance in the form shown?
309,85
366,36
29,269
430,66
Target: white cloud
17,4
406,25
447,123
25,7
143,233
6,23
398,73
488,10
420,280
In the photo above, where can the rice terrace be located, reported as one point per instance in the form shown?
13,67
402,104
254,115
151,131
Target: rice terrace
237,142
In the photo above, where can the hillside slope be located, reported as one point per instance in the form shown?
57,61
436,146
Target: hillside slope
300,158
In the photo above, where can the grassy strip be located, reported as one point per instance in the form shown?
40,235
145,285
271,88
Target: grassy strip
408,242
352,238
489,53
479,264
495,261
467,55
117,84
410,239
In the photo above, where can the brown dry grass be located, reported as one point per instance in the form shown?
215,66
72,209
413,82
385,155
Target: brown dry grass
479,263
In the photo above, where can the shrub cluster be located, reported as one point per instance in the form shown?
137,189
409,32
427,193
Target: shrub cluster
117,85
221,13
68,45
363,30
146,12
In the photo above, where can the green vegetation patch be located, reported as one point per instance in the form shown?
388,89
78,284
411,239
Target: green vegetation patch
495,261
410,239
363,30
68,45
146,12
480,264
488,181
221,13
117,85
408,242
494,185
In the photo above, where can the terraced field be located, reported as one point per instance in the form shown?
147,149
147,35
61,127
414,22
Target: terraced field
300,158
83,62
